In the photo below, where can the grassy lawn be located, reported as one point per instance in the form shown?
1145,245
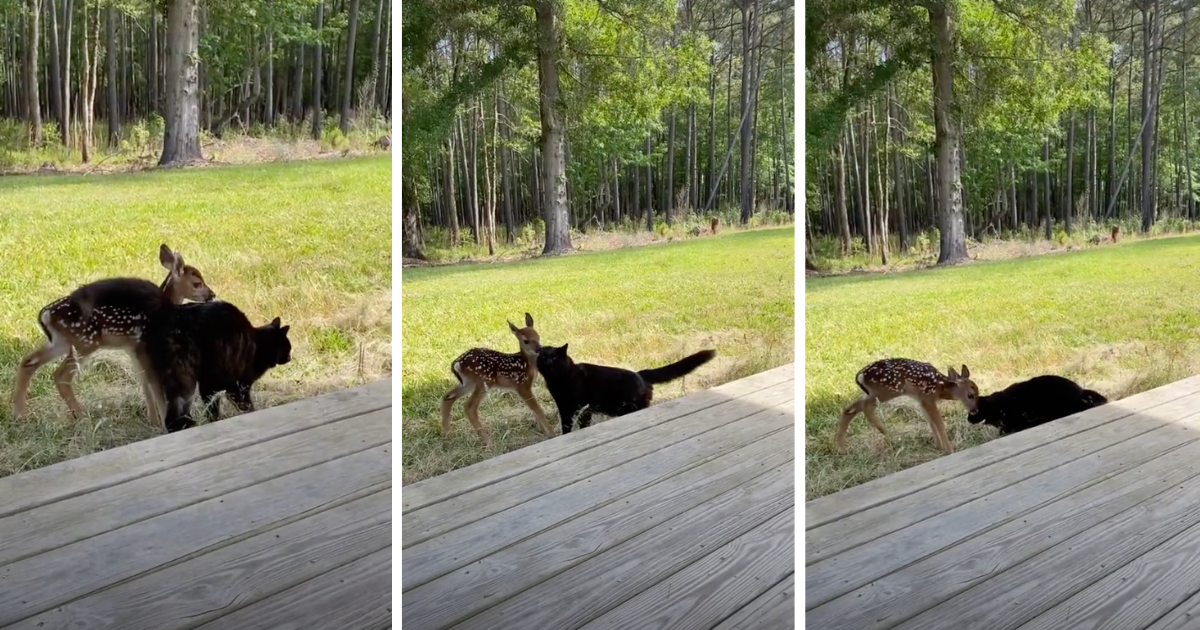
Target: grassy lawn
309,242
635,308
1119,319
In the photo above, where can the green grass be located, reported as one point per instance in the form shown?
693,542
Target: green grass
309,242
1118,319
635,308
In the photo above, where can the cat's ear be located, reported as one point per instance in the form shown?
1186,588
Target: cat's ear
563,350
275,323
284,330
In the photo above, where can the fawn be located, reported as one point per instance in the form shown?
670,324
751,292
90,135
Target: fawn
76,328
884,380
480,369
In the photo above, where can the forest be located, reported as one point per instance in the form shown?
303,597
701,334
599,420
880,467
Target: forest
942,122
79,78
531,121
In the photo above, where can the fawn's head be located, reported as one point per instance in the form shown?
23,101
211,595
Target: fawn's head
527,337
962,388
184,281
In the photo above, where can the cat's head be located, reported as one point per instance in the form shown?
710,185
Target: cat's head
987,412
274,347
551,360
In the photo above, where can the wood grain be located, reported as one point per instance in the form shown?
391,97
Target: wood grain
444,487
356,596
110,467
716,586
440,555
1136,594
856,567
456,596
36,584
63,522
773,610
1163,403
1013,597
903,594
592,588
858,528
623,454
215,584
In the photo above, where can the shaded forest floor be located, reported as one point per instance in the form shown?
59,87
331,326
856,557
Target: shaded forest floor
1119,319
635,308
308,242
141,145
527,241
923,248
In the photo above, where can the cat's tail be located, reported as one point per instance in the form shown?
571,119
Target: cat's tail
1093,398
678,369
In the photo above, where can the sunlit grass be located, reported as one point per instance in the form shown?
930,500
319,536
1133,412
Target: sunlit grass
1119,319
635,308
308,242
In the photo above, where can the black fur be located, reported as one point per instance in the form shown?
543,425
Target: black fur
583,388
1034,402
134,294
212,346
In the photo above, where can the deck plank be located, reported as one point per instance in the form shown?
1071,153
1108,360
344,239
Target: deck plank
434,557
860,527
86,566
592,588
937,578
63,522
705,593
1074,563
426,492
212,585
448,599
355,596
1165,403
773,610
845,572
1136,594
113,466
624,453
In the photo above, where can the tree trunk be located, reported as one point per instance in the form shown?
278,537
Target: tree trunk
558,235
318,59
953,245
1069,206
1049,216
152,67
649,189
65,86
297,113
712,128
110,76
1148,18
181,138
348,82
55,78
1187,126
269,78
749,11
669,206
450,185
31,71
91,69
839,195
894,124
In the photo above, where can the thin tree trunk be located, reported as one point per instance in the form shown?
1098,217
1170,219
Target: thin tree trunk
450,185
669,189
65,86
152,67
953,246
1187,125
55,78
318,59
1069,206
348,87
297,113
33,101
839,194
111,77
749,12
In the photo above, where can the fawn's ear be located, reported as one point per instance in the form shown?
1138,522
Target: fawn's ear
965,372
528,320
512,327
169,258
953,375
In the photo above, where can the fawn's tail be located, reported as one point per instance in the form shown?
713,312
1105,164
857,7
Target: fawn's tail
678,369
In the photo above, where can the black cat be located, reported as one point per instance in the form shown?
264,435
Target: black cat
584,388
1030,403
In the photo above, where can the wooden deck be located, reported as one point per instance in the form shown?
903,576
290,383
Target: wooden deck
276,519
1092,521
677,516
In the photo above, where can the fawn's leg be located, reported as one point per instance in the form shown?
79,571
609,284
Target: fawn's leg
847,415
28,367
448,403
938,425
525,391
473,415
62,381
873,418
154,403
